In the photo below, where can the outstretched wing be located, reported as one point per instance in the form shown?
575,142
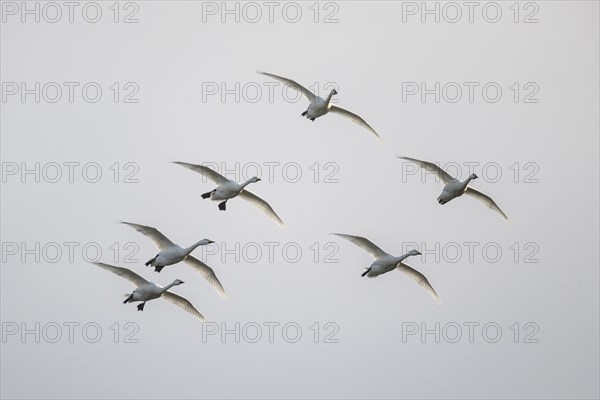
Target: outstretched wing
431,167
263,205
204,171
487,200
355,118
420,279
183,303
160,240
305,92
365,244
124,272
208,274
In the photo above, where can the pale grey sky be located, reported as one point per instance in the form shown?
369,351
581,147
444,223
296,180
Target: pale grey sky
185,66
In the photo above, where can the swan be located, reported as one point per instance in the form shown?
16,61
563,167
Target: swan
318,106
454,188
385,262
149,290
229,189
170,254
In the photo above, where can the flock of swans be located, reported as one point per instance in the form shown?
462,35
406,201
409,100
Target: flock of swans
171,253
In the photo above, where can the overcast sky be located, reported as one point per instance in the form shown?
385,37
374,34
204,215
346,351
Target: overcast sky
518,103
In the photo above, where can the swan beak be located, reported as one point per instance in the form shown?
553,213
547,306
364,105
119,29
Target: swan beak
210,241
258,179
418,253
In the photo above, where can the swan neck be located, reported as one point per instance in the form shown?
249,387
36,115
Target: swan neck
169,286
400,258
328,98
243,185
192,247
468,180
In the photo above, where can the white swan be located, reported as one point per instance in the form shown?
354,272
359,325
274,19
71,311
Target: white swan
170,254
318,106
148,290
229,189
385,262
454,188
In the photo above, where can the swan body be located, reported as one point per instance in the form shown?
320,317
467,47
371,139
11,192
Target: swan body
385,262
150,291
228,189
174,254
171,253
454,188
147,291
318,106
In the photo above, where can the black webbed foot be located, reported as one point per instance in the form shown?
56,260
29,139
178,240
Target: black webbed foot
149,262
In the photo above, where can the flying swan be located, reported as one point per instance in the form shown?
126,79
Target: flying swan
385,262
318,106
170,254
454,188
149,290
229,189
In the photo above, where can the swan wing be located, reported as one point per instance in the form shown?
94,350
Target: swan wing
160,240
431,167
208,274
125,273
183,303
263,205
355,118
365,244
204,171
487,200
420,279
305,92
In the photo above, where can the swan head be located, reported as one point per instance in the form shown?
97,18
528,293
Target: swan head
204,242
473,176
177,282
333,91
413,253
254,179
